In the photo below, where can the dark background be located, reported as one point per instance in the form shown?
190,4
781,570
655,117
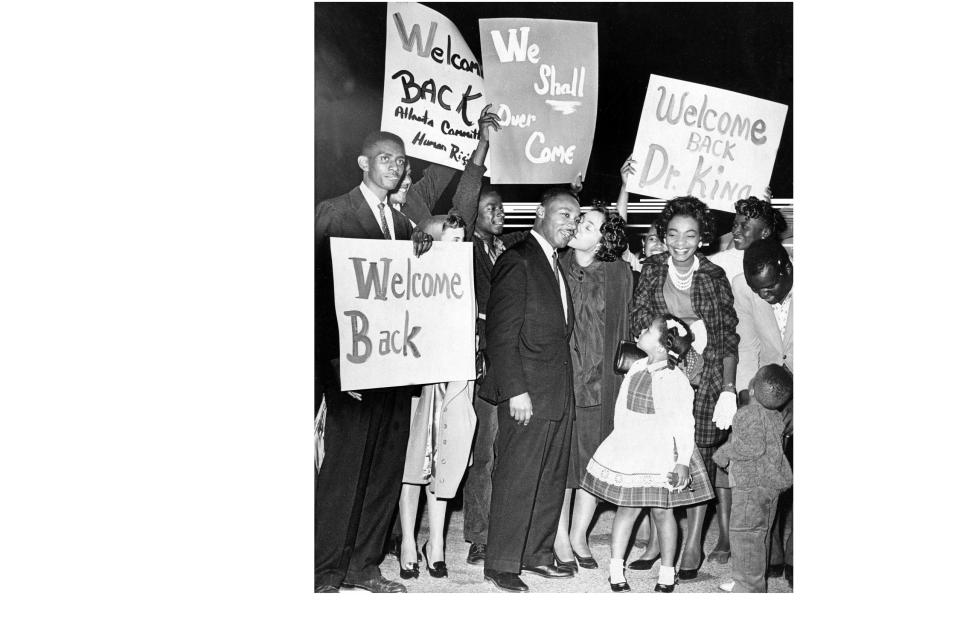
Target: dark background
747,48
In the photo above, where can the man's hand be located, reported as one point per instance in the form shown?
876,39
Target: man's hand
488,120
422,242
521,408
335,363
577,185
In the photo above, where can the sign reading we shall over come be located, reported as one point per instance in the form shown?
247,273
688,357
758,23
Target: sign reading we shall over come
403,320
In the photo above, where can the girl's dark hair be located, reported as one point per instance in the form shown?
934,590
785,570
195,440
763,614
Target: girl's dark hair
676,345
761,210
613,234
453,221
692,208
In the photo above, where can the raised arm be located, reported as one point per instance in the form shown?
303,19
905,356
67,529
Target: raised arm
468,190
624,197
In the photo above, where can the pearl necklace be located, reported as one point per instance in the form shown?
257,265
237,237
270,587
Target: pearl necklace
682,281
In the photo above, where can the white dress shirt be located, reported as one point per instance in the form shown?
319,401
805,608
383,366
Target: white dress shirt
375,208
552,258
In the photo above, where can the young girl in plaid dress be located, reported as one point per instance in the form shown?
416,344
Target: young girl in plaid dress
650,460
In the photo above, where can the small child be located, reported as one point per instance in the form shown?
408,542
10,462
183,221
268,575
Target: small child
649,460
759,471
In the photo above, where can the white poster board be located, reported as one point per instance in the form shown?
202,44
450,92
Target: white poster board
714,144
432,86
403,320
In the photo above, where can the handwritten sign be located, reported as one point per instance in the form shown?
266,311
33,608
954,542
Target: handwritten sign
541,77
403,320
432,86
716,145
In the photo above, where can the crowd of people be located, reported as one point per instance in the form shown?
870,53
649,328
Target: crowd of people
651,382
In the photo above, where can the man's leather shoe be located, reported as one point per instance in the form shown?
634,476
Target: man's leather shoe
775,571
326,588
477,553
548,571
376,585
788,574
505,581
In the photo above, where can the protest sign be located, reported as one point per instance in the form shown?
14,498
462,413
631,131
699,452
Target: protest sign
541,77
403,320
716,145
432,86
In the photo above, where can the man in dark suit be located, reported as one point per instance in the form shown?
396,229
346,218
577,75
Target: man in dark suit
365,435
529,322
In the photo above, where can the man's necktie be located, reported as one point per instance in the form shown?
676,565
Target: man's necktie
383,223
556,273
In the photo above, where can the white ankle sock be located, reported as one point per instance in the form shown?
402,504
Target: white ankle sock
667,575
616,570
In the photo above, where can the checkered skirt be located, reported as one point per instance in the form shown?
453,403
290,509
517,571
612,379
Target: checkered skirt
618,488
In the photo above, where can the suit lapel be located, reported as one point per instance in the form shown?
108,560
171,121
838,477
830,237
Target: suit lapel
402,226
545,262
364,217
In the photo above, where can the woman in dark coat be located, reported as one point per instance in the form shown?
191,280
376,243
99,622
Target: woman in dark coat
683,282
600,284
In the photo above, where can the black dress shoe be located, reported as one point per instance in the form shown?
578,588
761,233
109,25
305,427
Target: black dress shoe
505,581
775,571
788,574
436,569
643,565
618,587
586,562
689,574
665,588
477,553
326,588
376,585
548,571
565,564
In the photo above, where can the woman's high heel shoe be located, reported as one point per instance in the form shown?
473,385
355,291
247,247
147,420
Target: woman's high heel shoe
618,587
413,572
643,565
565,564
436,569
587,562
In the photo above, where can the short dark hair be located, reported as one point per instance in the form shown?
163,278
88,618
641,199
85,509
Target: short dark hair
773,386
763,253
754,207
376,137
454,221
692,208
613,234
556,192
676,345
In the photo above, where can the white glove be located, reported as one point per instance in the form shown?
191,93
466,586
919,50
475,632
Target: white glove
726,407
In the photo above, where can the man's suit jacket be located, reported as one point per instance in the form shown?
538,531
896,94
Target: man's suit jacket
345,216
760,341
527,337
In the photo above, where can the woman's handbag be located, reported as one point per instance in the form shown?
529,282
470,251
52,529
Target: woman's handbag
627,353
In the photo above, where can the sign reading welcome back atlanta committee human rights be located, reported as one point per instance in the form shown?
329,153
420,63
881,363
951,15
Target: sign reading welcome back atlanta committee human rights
716,145
432,86
541,77
403,320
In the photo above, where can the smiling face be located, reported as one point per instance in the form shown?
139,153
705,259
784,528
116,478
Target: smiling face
772,284
682,239
746,230
557,222
588,234
383,168
490,214
651,243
